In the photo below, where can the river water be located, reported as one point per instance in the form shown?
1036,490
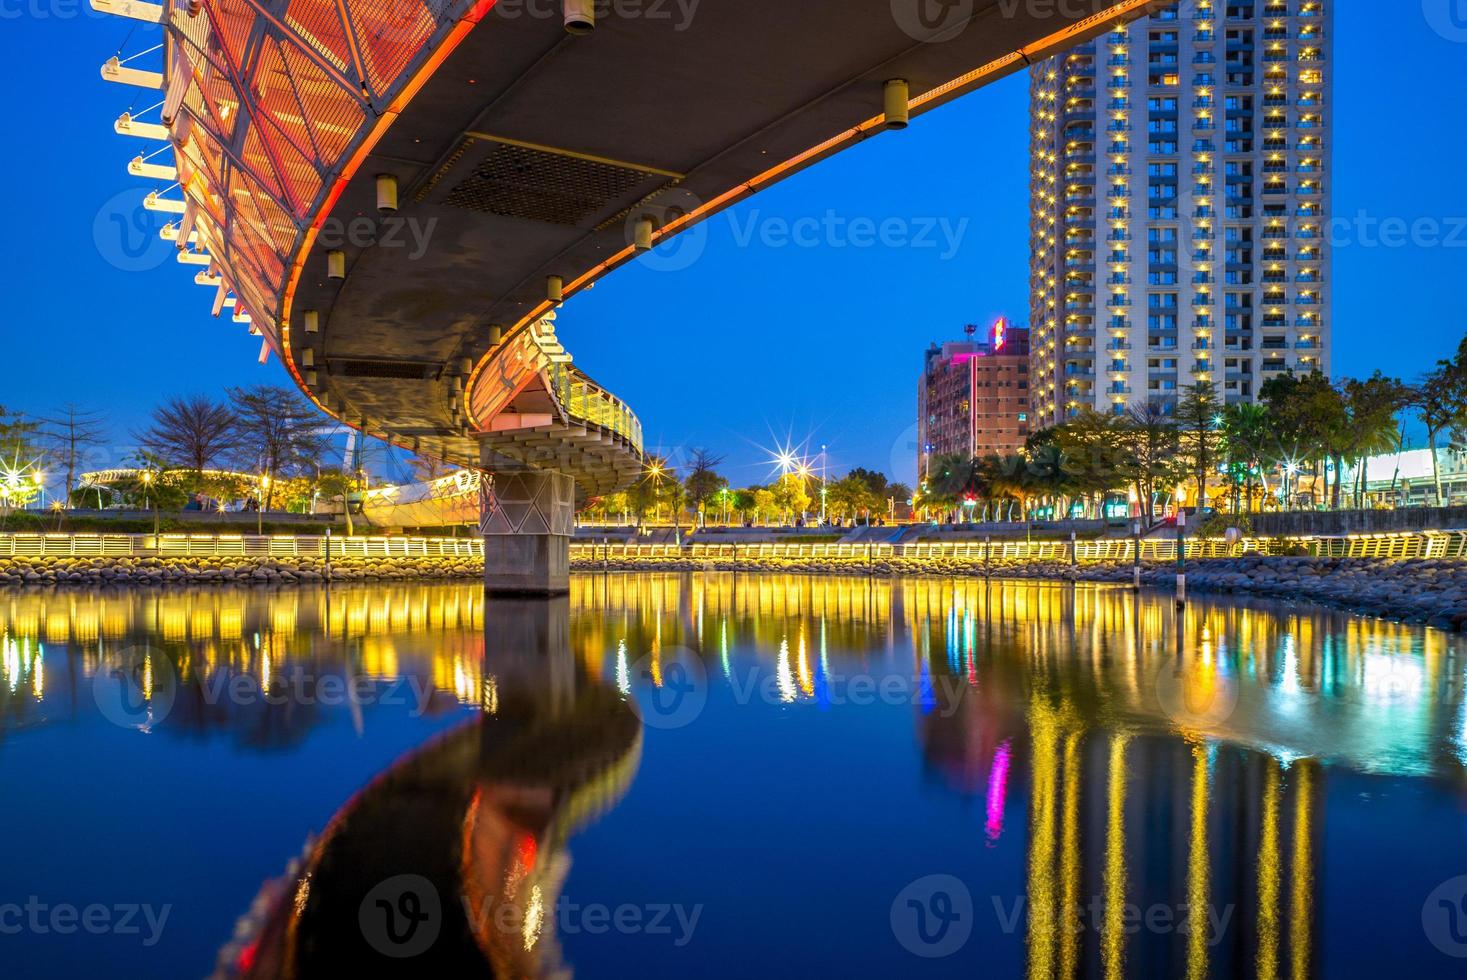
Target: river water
725,776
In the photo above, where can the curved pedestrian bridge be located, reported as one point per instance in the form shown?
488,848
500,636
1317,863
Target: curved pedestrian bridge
398,198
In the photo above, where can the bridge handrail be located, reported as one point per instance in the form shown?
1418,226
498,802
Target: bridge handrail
586,401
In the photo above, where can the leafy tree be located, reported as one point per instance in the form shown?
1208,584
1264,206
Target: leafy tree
1091,443
1151,444
648,494
875,482
194,433
852,496
17,437
1308,415
278,433
765,505
791,494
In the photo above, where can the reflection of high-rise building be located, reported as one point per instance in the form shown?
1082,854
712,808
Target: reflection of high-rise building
973,398
1180,188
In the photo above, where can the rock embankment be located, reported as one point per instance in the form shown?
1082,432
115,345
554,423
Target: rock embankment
1429,591
54,570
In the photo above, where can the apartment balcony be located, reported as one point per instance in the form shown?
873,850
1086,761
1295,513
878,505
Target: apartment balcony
1119,323
1118,346
1118,303
1307,345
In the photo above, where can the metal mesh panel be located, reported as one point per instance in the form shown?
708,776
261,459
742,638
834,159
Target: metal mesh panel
523,183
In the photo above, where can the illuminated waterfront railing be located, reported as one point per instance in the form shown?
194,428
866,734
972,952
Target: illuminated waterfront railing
1400,546
1405,545
234,546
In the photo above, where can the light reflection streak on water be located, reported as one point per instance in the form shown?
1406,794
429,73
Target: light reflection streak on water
1113,932
1042,897
998,788
1302,885
1070,899
784,674
1268,879
623,669
1198,867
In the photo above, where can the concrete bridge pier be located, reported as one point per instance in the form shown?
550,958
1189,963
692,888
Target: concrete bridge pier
527,518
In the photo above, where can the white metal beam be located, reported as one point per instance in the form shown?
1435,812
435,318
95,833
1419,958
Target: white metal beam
164,205
115,71
126,125
150,13
138,167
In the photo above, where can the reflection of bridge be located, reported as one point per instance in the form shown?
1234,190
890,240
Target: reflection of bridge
315,141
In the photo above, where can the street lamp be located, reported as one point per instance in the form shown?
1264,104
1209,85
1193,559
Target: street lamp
823,483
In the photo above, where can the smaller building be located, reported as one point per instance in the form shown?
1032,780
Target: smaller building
973,397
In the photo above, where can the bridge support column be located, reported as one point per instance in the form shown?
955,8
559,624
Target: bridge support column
527,519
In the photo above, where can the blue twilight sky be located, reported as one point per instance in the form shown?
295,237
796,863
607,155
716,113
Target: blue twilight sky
762,338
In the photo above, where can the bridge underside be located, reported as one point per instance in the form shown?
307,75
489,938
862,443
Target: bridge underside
530,153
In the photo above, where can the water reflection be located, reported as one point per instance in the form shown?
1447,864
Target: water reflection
1162,776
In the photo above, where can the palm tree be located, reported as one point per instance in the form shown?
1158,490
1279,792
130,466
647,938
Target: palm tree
948,480
1440,401
1371,406
1247,439
1049,476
